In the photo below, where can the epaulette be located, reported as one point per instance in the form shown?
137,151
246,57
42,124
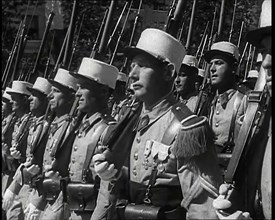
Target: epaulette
108,119
193,133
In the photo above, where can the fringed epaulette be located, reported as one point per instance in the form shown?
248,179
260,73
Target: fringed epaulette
109,120
193,134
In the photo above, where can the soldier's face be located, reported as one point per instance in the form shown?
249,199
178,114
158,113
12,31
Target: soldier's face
87,97
58,99
6,108
36,101
19,101
267,61
220,71
146,77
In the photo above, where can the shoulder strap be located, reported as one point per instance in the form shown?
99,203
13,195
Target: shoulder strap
254,100
91,147
237,102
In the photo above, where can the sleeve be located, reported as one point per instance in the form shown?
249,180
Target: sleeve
38,201
199,178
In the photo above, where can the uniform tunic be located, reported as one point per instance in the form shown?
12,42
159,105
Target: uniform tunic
198,183
221,114
80,146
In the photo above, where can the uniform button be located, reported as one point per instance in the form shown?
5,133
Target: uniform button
75,148
73,160
71,173
178,108
217,124
218,100
134,171
217,112
136,156
138,140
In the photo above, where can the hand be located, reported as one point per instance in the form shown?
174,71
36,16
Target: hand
221,203
33,170
15,153
53,175
103,169
8,199
31,212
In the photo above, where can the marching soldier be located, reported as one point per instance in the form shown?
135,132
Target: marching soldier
15,151
8,120
20,186
119,95
96,79
261,38
228,103
61,99
171,169
185,82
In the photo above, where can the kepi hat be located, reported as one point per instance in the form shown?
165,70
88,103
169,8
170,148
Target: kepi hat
254,37
223,47
98,71
20,87
6,97
190,62
253,74
41,85
65,79
160,45
201,73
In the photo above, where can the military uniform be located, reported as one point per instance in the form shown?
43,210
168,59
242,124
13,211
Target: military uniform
183,175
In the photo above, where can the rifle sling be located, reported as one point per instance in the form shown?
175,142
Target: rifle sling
236,106
91,148
254,99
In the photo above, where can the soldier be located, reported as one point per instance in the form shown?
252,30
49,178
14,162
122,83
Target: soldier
119,95
15,150
228,103
61,99
249,83
168,173
185,82
96,79
261,39
201,73
38,105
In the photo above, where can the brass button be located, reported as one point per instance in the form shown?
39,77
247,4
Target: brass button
178,108
75,148
138,140
217,112
136,156
134,171
217,124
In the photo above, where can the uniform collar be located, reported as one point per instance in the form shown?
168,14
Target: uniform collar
224,97
159,109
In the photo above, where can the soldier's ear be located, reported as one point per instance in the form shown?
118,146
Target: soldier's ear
170,72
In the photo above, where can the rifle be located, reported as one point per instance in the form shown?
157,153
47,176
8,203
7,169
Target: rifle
116,26
42,45
240,35
11,56
221,18
241,60
103,46
125,64
94,50
53,72
212,29
257,113
49,58
202,40
68,50
170,15
252,58
174,23
75,44
204,43
189,35
121,32
247,62
232,22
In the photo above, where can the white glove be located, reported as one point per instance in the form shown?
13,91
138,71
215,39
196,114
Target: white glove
53,175
32,213
221,203
33,169
103,169
8,199
15,153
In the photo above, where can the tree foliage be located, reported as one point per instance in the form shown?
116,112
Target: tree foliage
247,11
